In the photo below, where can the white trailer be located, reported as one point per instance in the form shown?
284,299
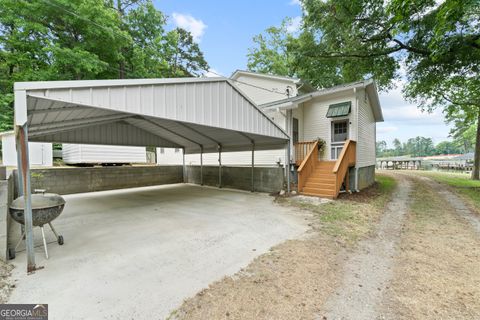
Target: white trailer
102,154
41,153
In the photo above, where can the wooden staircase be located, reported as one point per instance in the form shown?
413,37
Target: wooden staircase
325,178
321,181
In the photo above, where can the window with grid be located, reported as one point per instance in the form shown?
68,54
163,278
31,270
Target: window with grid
339,131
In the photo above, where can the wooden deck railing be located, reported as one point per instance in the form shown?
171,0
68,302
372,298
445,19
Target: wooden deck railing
302,149
345,161
308,165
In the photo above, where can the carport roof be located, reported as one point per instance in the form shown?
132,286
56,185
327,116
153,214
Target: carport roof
190,113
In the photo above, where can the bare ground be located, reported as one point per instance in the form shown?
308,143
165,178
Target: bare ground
294,279
436,274
6,283
369,269
419,260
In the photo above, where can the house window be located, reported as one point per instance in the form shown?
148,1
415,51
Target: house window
295,130
336,151
162,150
177,150
339,131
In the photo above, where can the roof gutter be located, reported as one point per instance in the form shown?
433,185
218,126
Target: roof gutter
289,104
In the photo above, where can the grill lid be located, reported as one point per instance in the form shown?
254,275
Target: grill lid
39,201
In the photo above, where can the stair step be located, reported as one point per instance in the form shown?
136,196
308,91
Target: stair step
318,192
326,176
320,185
326,163
322,171
327,196
324,182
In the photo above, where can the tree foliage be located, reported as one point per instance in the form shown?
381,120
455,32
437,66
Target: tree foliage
435,45
419,147
88,39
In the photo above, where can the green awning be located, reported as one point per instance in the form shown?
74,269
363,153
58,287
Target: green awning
339,109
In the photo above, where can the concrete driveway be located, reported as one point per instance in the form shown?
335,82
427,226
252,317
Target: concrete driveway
137,253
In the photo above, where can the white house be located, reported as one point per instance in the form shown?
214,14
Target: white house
336,115
41,154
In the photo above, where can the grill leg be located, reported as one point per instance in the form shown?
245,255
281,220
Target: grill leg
53,229
20,240
44,242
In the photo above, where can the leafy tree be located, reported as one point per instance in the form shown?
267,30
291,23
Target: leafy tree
381,147
271,54
437,43
88,39
184,55
447,147
398,147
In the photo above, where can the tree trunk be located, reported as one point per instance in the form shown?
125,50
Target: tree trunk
476,162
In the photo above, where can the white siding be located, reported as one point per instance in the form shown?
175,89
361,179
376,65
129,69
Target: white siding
273,89
317,125
84,153
366,132
40,153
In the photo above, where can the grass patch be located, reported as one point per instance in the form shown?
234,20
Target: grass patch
426,205
461,183
352,216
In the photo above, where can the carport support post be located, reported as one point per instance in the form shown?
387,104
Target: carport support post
219,166
24,167
19,167
184,168
253,165
201,166
287,164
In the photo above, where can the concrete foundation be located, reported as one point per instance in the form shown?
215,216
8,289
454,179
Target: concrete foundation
366,177
79,180
9,229
266,179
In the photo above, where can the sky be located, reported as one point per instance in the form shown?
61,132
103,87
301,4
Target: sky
224,30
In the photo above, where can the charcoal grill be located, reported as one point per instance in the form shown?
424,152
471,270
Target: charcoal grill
45,208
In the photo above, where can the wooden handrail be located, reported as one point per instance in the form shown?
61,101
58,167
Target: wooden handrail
307,166
346,160
302,149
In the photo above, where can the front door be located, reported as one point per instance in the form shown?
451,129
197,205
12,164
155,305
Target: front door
339,136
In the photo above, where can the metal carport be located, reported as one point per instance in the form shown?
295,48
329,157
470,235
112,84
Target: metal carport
195,114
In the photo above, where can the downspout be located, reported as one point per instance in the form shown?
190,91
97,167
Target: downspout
356,138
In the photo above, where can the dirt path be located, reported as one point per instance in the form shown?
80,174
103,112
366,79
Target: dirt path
436,273
418,257
369,270
455,202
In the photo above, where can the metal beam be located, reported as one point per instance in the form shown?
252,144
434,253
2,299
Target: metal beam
21,135
78,122
171,131
199,133
73,127
64,108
